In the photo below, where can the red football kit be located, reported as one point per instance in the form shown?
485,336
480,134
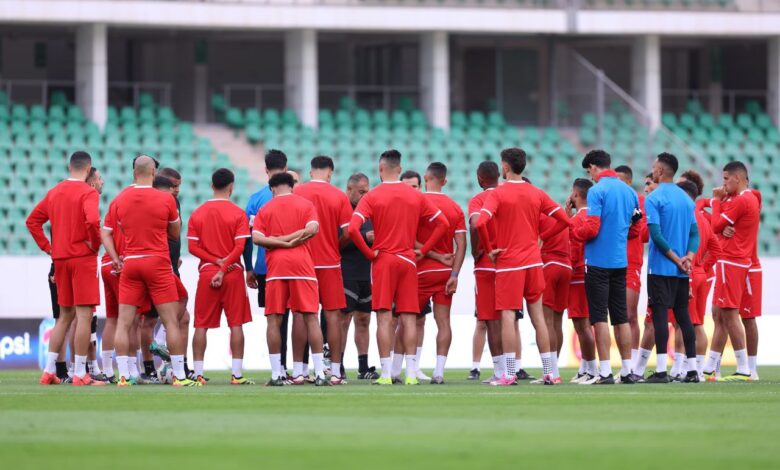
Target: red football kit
432,276
72,206
701,272
751,304
517,207
742,212
578,300
143,214
396,210
636,251
484,269
556,256
218,229
291,280
334,213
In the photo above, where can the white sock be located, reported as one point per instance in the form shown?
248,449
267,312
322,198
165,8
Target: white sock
634,355
95,367
712,362
546,363
197,367
177,364
121,365
418,355
742,362
160,337
398,363
238,364
554,359
387,367
625,367
583,367
700,363
81,366
752,363
593,367
518,363
51,363
498,365
717,367
335,369
475,365
509,364
319,370
690,365
679,364
306,369
276,365
440,362
411,365
297,369
132,364
108,361
604,368
641,361
661,360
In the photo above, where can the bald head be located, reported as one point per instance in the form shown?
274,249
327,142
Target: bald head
144,170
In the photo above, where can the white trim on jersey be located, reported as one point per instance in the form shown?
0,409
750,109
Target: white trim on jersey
557,263
505,270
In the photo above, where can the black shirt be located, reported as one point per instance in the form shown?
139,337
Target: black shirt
174,246
355,266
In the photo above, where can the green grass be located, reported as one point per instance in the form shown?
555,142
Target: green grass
457,425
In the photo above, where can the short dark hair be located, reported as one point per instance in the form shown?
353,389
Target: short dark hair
156,163
695,178
626,170
162,182
169,172
391,157
515,158
582,185
438,170
92,172
649,176
321,162
736,167
80,160
409,174
668,160
222,178
600,158
275,160
488,170
357,178
280,179
690,188
526,179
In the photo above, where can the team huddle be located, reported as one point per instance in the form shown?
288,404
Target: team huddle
397,251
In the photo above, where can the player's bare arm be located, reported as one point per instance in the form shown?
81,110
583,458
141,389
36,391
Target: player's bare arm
107,239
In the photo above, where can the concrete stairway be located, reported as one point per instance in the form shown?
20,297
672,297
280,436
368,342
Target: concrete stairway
235,145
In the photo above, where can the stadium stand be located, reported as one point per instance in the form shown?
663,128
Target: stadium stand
35,143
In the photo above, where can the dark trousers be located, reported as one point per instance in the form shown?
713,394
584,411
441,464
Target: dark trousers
606,291
665,292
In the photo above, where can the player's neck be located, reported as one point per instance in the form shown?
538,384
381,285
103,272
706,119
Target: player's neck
320,176
144,181
514,177
432,188
78,176
221,195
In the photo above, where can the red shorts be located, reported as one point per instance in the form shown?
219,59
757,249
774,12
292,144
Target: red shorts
299,295
557,279
180,289
670,314
730,285
230,296
515,285
77,280
394,282
111,290
578,300
485,295
634,278
150,276
697,305
751,299
431,285
331,287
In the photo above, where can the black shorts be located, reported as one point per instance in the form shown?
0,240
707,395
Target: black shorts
667,292
358,295
606,291
260,290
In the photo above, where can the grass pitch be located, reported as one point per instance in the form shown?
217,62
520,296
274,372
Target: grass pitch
461,424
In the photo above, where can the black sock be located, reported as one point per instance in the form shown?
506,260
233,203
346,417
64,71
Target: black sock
362,363
343,371
88,367
149,367
62,369
186,367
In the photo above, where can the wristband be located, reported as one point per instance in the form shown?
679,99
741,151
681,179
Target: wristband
454,274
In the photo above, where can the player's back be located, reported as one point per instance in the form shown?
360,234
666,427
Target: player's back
673,211
475,206
283,215
333,213
613,202
456,224
109,222
68,205
218,221
144,214
705,235
577,247
557,247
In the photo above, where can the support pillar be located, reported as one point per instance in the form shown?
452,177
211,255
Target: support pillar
92,72
435,78
646,76
300,75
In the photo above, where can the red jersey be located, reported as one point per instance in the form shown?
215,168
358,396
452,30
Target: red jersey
742,212
144,214
556,249
636,246
396,210
283,215
475,206
334,213
755,263
72,206
577,247
108,222
457,224
709,247
218,229
517,207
